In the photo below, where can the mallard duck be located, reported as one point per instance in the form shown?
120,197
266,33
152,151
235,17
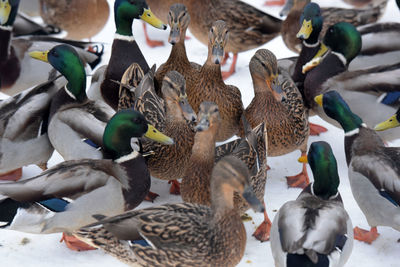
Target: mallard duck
18,71
293,9
345,43
393,121
363,3
81,19
73,117
211,87
125,50
178,20
195,186
373,168
286,120
248,27
314,229
122,174
185,233
24,25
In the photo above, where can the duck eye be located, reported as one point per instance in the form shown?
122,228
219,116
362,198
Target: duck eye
212,30
216,110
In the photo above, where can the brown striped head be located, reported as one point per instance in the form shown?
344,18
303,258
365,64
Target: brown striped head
218,37
264,66
174,92
208,116
178,20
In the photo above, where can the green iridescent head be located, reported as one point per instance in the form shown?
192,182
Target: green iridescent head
344,38
324,167
122,127
66,60
311,23
336,108
8,12
125,11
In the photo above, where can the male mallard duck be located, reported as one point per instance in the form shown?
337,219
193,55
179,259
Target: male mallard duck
18,71
125,50
211,87
81,19
373,168
182,234
23,129
110,186
286,120
178,20
331,15
195,186
248,27
314,229
73,117
355,87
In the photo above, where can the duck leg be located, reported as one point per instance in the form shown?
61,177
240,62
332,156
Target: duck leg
227,74
366,236
262,232
316,129
14,175
74,243
274,3
175,187
226,57
151,43
300,180
151,196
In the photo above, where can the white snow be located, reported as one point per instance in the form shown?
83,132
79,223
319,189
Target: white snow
45,250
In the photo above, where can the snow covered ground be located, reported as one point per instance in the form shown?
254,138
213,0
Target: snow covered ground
20,249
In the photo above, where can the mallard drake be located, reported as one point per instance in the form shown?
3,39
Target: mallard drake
345,43
73,117
373,168
294,8
122,176
248,27
252,150
314,229
286,120
211,87
81,19
18,71
178,20
185,233
125,50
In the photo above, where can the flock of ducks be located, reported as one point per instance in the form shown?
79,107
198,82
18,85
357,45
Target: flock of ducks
137,121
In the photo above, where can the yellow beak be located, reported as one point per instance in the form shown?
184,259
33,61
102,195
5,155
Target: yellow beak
5,11
317,59
319,99
305,30
40,55
303,159
389,123
151,19
156,135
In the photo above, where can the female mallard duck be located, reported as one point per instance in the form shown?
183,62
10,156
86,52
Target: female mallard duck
81,19
286,120
73,117
18,71
314,229
125,50
355,86
112,185
373,168
195,186
211,87
178,20
294,8
248,27
182,234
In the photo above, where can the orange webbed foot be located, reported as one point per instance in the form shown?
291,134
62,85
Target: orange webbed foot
74,243
175,187
14,175
365,235
151,196
263,231
274,3
149,42
300,180
316,129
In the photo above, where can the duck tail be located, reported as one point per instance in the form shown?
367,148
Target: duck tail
8,210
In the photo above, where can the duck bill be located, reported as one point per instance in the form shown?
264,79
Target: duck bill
153,134
251,198
303,159
174,35
203,125
187,110
319,100
305,30
389,123
217,54
40,55
286,9
317,59
5,11
275,84
151,19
